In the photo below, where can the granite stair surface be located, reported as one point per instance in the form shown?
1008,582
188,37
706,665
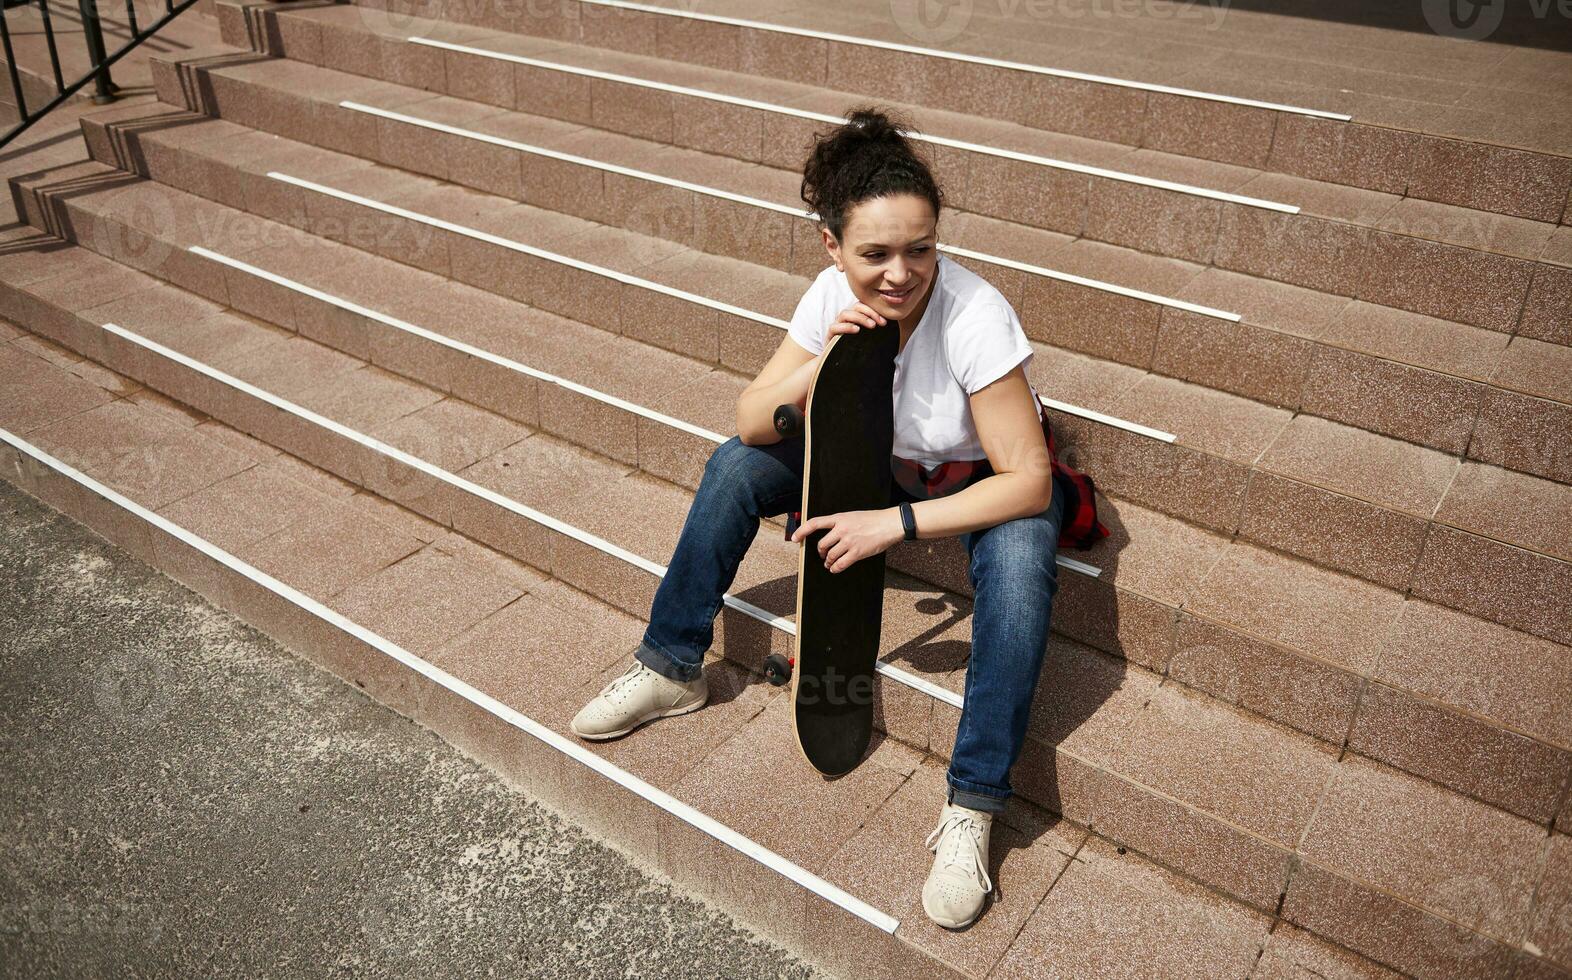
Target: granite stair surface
1374,246
415,331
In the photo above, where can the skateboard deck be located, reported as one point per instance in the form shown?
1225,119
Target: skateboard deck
848,435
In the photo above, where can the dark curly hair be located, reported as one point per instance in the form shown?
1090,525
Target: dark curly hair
867,157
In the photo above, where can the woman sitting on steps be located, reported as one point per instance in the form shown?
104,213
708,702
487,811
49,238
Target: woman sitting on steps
971,455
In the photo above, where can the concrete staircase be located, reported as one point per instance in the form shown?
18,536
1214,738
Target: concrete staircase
406,334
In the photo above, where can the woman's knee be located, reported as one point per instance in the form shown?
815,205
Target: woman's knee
738,469
727,455
1020,553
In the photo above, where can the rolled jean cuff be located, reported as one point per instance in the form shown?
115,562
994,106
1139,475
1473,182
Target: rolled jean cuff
976,800
663,663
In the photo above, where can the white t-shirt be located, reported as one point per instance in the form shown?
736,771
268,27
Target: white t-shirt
969,337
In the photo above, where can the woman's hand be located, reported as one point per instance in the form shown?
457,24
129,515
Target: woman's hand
853,319
849,320
853,535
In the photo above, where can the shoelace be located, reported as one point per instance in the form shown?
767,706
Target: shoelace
627,678
968,859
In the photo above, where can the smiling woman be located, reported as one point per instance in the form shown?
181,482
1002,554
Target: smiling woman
972,458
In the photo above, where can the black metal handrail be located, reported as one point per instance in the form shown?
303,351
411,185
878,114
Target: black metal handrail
104,88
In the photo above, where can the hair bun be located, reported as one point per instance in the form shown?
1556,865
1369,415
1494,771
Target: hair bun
872,123
868,156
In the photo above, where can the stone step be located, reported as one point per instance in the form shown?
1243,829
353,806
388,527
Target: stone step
37,88
1221,87
1142,582
529,643
1422,257
1271,817
1285,341
693,395
1241,467
1392,766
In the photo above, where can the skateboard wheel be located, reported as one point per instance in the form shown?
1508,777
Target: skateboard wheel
777,669
788,421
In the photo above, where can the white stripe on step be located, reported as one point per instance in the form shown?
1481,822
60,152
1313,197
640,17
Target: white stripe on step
539,253
785,625
457,229
458,345
689,815
1087,413
975,59
1031,158
507,503
567,157
1107,287
756,202
436,472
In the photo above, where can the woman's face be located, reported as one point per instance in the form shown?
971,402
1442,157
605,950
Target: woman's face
889,254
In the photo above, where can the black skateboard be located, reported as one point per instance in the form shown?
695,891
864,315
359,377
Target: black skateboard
849,432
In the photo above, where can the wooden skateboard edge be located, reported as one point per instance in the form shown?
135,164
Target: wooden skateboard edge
802,554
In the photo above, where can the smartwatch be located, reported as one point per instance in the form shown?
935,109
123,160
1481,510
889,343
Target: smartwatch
908,521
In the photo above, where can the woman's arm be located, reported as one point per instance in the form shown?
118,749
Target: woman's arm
1022,482
788,376
784,379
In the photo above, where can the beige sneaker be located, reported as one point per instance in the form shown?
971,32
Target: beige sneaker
956,887
639,695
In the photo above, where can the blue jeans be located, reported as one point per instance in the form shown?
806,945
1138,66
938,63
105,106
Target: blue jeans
1012,572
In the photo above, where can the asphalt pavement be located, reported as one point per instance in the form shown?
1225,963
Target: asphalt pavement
184,797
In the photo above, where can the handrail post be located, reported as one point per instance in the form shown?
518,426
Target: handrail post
10,64
104,88
98,74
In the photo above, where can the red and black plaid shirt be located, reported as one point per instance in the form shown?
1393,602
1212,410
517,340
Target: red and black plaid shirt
1081,528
